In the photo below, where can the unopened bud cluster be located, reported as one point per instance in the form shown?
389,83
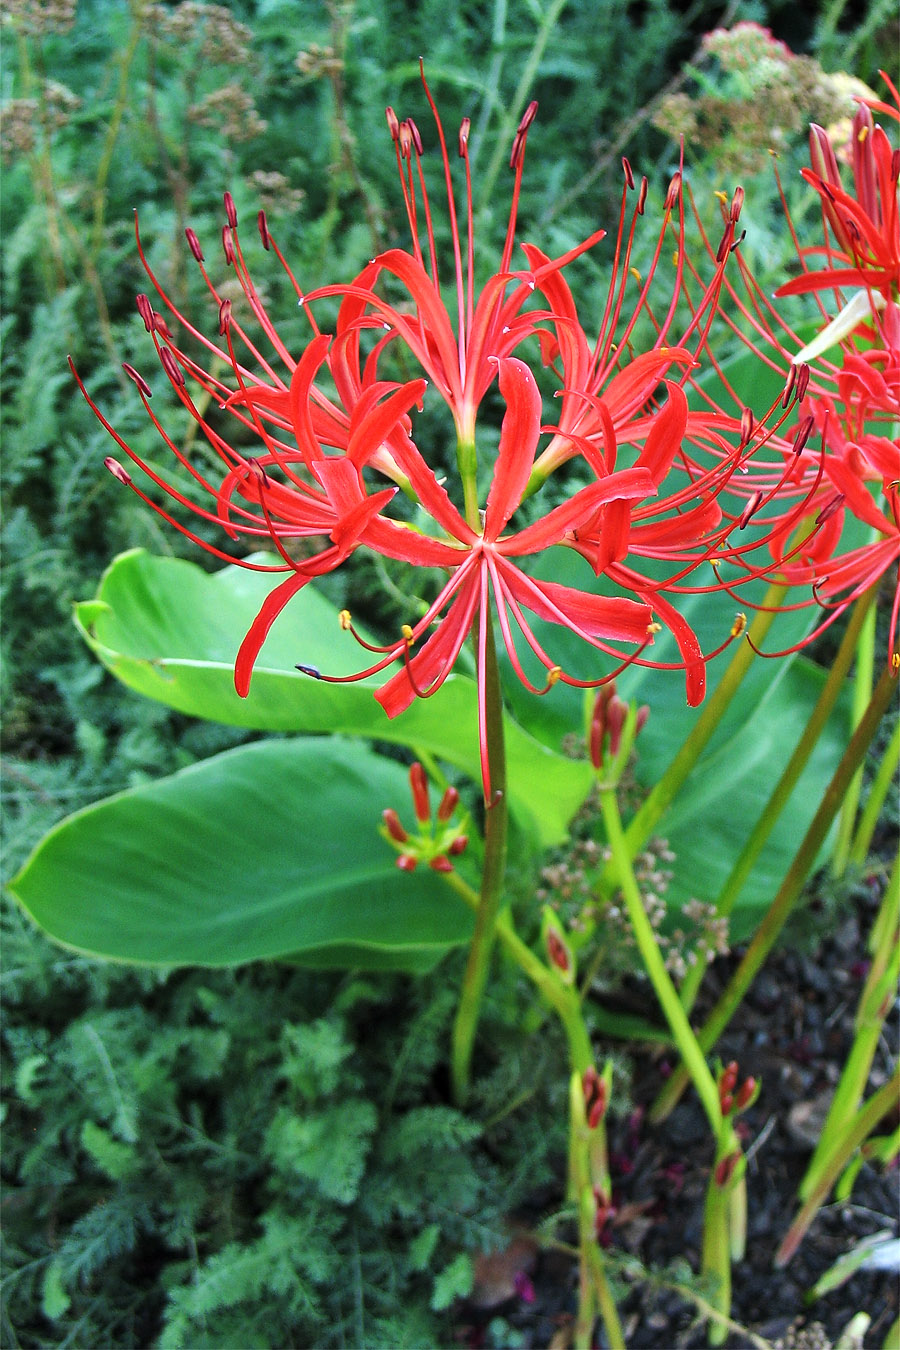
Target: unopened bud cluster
437,838
613,729
733,1099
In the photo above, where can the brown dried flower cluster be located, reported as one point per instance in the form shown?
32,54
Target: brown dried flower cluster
274,192
38,18
751,94
25,120
223,40
231,111
315,62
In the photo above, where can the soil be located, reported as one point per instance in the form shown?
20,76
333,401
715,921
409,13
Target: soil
792,1033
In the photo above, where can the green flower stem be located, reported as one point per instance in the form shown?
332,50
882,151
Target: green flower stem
594,1292
716,1256
881,785
875,1004
654,965
467,463
862,692
493,869
786,783
875,1108
778,912
661,797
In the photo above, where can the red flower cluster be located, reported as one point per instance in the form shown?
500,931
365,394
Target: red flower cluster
336,436
850,402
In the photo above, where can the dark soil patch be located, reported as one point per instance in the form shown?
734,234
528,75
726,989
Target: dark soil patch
792,1033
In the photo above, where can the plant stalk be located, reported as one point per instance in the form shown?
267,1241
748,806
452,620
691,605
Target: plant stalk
492,874
787,782
780,909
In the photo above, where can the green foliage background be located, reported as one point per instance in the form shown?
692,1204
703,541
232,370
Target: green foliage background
209,1158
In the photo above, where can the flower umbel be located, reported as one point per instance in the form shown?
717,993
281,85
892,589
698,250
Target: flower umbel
336,437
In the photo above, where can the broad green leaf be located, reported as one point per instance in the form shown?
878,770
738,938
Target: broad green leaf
719,804
171,631
269,850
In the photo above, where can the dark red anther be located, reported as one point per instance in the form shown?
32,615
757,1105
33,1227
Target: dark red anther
257,470
224,317
465,127
139,380
312,671
642,196
737,205
518,145
726,1168
828,511
751,509
737,243
404,140
527,118
117,470
416,136
263,226
744,1093
804,433
789,386
440,864
556,950
393,826
145,309
802,379
458,845
194,243
673,192
748,422
393,122
171,367
227,246
725,245
629,175
230,210
406,862
447,804
418,784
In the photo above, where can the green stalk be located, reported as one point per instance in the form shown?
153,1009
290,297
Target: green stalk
874,1005
862,692
877,1106
786,783
780,909
877,793
657,803
517,102
665,990
493,869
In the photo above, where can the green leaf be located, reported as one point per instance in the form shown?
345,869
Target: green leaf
716,808
55,1302
454,1281
267,850
171,631
111,1155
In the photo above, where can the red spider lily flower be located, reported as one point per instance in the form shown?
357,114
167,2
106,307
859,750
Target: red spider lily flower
847,399
325,423
864,222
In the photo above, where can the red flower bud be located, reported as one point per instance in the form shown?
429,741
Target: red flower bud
406,862
393,826
448,804
744,1093
419,787
556,950
440,864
